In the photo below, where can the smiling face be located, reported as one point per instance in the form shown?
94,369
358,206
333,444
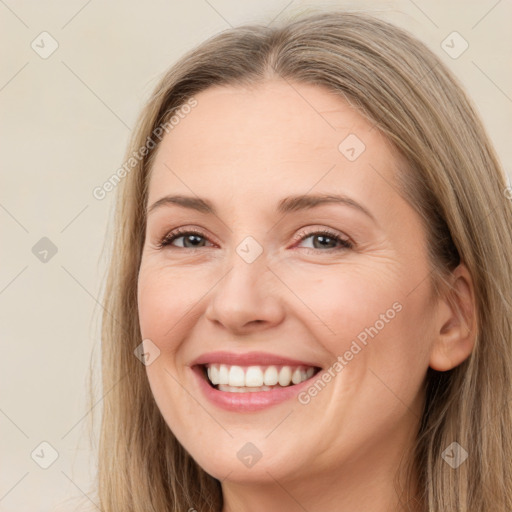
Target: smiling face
337,290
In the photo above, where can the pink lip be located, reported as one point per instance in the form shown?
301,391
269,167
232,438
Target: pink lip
251,401
247,359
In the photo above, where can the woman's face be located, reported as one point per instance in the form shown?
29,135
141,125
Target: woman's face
276,283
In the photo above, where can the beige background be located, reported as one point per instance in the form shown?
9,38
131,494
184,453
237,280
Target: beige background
65,121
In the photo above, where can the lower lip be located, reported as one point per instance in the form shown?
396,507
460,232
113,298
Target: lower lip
251,401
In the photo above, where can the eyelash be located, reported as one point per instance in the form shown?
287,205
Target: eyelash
180,232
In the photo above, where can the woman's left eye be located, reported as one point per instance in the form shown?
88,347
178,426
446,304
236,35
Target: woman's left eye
325,239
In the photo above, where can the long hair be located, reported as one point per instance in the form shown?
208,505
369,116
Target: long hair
452,179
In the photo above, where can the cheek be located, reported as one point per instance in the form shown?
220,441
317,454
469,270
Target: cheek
165,302
344,301
371,319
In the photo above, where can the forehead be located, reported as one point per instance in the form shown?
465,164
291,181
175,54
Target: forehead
272,138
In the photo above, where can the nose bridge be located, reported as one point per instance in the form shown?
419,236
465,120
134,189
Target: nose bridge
241,297
247,271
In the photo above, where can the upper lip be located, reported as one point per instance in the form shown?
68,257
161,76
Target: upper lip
248,359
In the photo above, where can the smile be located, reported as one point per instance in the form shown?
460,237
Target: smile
252,381
243,379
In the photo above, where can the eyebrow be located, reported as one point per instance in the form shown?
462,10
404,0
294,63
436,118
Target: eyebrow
286,205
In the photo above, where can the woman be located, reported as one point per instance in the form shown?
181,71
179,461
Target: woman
308,301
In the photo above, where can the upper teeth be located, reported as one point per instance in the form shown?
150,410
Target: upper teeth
257,376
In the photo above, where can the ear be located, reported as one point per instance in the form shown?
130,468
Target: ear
456,322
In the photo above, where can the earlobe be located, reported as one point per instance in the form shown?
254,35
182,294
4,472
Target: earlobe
456,323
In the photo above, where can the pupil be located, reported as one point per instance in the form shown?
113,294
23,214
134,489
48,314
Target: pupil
189,239
322,237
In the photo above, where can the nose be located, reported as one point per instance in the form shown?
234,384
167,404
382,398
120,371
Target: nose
247,298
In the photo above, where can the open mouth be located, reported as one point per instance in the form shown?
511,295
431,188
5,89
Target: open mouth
250,379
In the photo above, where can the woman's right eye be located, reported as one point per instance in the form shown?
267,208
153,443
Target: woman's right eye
188,236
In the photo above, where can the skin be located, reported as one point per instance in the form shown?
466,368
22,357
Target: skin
244,150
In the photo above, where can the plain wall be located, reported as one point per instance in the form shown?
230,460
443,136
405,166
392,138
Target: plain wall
65,122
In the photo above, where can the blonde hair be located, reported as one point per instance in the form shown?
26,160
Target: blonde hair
453,180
